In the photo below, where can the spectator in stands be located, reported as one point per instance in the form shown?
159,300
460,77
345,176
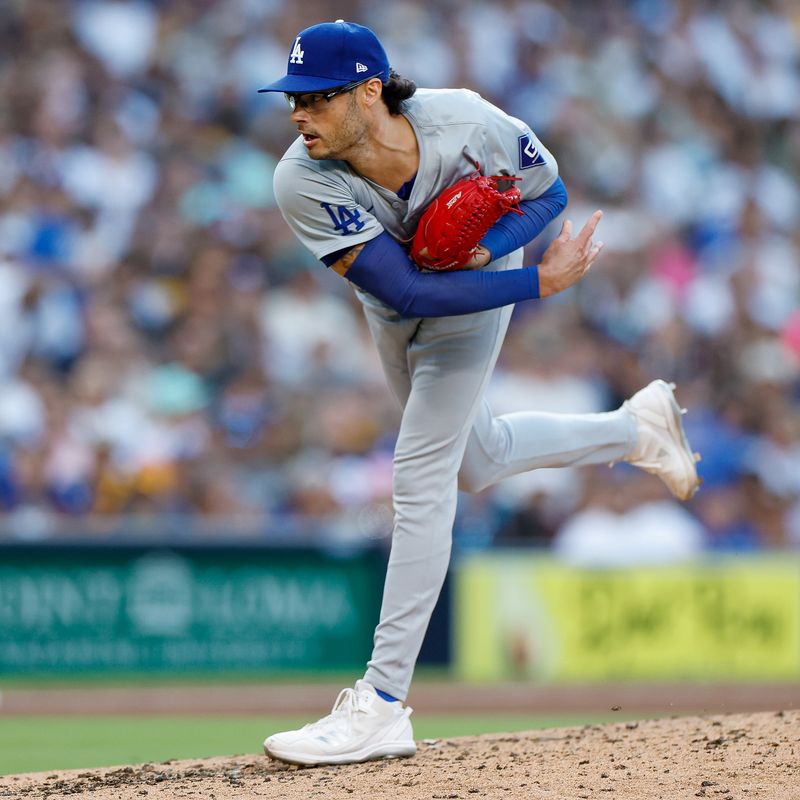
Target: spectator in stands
166,344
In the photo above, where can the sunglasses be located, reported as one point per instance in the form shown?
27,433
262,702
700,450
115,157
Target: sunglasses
313,101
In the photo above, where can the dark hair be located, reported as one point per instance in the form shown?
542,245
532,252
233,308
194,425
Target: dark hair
395,90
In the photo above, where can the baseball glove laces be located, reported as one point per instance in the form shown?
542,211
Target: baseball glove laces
453,225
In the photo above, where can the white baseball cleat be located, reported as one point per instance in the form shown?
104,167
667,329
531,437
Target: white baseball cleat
362,726
662,447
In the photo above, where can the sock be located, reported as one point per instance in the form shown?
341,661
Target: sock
387,697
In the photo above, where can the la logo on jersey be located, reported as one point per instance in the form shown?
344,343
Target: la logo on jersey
529,156
343,217
296,56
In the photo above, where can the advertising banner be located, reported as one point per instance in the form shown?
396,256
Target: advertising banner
128,609
519,616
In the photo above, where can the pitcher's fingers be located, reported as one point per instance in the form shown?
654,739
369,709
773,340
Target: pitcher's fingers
566,231
593,253
591,258
587,231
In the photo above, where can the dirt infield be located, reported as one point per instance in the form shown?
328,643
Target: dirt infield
725,757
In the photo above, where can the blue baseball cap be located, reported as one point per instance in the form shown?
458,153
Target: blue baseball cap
330,55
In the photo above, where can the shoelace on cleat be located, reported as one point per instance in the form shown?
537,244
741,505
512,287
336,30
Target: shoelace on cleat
348,702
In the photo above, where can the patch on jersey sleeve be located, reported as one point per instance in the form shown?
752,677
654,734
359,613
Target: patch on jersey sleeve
529,156
345,220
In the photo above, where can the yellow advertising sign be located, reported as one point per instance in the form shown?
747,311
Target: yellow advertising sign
518,616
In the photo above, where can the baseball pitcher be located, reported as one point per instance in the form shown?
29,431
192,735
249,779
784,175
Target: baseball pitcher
423,200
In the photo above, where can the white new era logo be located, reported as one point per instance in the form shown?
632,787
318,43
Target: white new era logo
360,67
296,56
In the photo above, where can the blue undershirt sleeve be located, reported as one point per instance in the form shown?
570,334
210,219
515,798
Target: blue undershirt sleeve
384,269
513,231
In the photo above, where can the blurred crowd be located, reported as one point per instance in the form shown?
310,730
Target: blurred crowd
167,348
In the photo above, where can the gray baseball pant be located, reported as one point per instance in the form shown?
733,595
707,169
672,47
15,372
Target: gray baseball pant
439,368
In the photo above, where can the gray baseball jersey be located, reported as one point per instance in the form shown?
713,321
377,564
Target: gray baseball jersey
439,367
329,206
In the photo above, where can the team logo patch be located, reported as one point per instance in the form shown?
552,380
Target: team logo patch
344,218
296,56
529,156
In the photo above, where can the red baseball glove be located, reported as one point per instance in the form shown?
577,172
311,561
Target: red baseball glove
455,222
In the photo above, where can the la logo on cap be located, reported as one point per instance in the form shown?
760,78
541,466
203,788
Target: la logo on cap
296,56
330,55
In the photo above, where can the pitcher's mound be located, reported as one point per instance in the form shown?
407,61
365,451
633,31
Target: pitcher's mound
729,757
